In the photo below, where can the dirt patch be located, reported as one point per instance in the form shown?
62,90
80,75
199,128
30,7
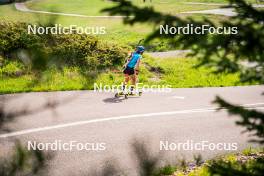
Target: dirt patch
157,72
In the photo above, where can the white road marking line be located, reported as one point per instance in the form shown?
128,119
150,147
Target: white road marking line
253,104
33,130
177,97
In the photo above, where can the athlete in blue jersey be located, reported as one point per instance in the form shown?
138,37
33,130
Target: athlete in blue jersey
132,66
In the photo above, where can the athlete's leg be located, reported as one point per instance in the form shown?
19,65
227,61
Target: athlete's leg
126,80
133,79
133,82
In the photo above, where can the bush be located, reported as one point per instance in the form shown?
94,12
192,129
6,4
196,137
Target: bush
84,50
1,60
14,36
13,68
66,49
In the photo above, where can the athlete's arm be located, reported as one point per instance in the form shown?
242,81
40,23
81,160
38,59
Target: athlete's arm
128,59
137,66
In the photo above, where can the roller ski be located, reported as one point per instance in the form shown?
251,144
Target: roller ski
126,94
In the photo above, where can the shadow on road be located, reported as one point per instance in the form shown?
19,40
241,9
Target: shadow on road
113,100
116,100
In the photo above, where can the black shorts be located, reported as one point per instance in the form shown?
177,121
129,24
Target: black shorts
129,71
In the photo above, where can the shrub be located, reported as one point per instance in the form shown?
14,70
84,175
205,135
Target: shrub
64,49
1,60
14,36
13,68
88,51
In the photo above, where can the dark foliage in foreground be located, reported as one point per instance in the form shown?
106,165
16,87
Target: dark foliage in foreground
242,52
24,163
227,53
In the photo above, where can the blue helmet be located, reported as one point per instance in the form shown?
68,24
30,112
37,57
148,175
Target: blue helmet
140,49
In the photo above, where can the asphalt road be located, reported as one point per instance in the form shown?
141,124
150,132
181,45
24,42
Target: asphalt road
89,117
169,54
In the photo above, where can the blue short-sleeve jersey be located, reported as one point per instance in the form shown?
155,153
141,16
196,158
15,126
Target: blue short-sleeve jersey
134,59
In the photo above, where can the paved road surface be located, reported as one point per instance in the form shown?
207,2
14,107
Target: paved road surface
220,11
169,54
85,116
23,8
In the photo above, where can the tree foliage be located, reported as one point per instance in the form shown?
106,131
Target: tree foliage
242,52
227,53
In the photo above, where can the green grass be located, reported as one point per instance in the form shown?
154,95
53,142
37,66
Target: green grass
249,151
176,72
231,160
167,170
116,30
51,80
179,73
94,7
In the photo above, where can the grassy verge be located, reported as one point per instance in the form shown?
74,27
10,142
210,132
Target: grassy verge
248,162
177,72
181,72
116,30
